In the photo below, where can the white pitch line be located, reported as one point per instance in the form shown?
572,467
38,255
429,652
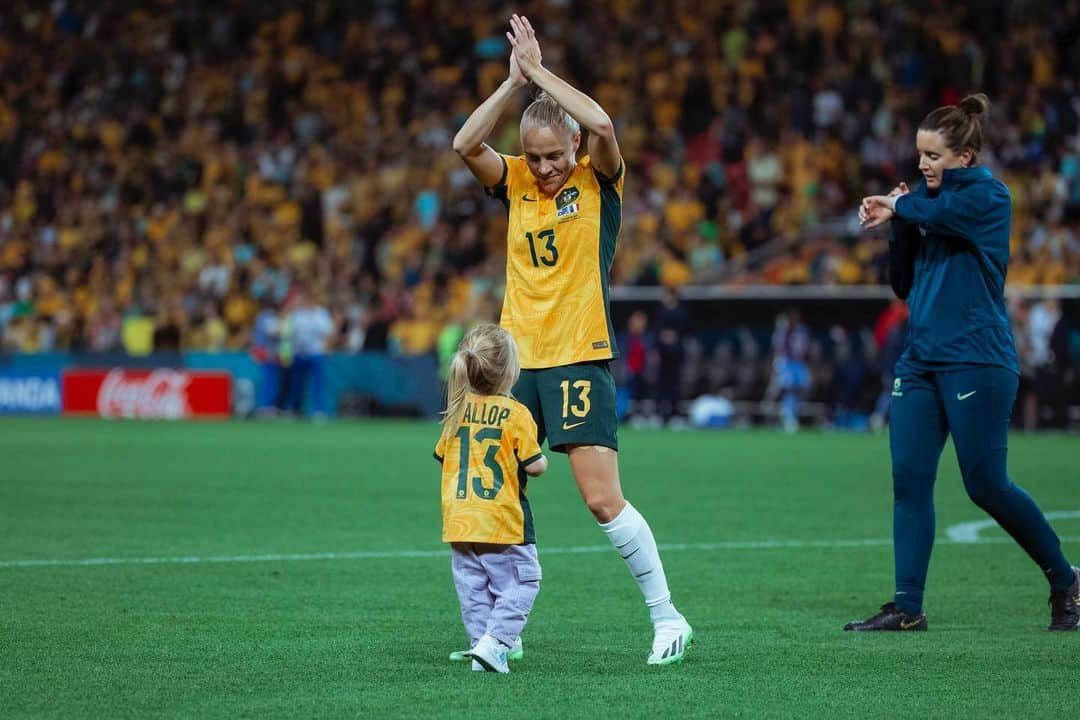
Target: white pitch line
969,532
406,554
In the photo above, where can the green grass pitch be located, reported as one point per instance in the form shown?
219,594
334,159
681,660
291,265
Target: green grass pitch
356,614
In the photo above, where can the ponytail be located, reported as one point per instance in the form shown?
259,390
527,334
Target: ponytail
975,105
457,388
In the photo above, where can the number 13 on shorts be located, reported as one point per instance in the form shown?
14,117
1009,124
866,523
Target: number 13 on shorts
581,406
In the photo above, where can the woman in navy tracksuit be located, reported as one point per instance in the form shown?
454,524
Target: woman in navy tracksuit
958,374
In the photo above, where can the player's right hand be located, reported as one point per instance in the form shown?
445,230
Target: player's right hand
517,78
875,210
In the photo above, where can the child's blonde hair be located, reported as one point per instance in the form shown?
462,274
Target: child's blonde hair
486,363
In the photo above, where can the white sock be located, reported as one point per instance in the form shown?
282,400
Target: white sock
634,541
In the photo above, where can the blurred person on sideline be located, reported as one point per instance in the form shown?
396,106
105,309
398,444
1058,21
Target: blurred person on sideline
1026,408
671,320
637,356
265,341
1052,359
311,327
846,389
791,374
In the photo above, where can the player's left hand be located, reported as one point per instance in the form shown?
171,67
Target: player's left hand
875,210
526,47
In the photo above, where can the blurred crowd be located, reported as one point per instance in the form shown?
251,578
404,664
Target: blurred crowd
170,169
837,375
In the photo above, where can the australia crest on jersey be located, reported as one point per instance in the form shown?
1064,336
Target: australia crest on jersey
566,202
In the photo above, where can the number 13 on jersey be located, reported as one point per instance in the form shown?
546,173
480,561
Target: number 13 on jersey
479,489
545,240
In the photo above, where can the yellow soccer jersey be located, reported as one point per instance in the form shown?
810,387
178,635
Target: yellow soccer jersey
483,476
558,264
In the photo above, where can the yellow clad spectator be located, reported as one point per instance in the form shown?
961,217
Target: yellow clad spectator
137,335
674,272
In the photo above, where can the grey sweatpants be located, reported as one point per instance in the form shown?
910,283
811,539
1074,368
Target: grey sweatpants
496,585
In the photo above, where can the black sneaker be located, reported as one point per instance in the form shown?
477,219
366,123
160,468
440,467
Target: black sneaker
1065,606
890,618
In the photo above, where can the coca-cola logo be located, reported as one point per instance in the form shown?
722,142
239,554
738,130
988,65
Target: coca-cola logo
161,394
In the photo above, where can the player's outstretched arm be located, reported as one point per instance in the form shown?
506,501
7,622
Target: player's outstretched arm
603,148
484,163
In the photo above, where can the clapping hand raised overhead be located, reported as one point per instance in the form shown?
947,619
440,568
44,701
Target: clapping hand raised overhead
526,48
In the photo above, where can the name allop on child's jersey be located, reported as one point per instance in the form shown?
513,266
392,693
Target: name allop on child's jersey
484,414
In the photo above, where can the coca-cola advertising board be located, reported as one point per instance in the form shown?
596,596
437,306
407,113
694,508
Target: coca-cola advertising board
162,394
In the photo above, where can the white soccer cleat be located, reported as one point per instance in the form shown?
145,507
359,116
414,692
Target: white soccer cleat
516,652
490,653
670,642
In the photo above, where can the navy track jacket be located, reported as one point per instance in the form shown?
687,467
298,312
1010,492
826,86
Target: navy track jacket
949,254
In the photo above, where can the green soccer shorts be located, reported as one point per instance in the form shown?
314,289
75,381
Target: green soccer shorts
572,404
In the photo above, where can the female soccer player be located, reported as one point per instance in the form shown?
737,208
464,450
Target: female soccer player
958,373
565,214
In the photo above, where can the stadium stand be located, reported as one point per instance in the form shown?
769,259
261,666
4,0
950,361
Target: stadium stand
167,172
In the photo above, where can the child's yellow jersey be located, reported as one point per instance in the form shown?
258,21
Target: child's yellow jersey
558,264
483,476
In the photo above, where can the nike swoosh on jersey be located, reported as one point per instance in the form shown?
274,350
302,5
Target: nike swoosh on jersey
566,426
965,396
526,198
